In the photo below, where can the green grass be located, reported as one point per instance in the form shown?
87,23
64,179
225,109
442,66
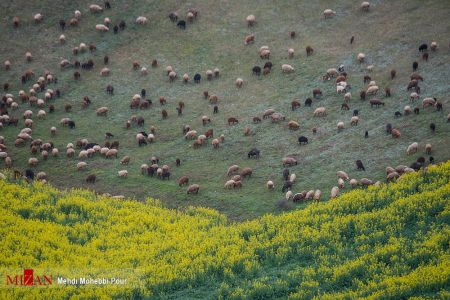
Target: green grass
389,35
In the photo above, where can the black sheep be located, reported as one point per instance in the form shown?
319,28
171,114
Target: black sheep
308,102
287,186
286,174
253,153
303,140
360,165
256,70
197,78
71,124
181,24
433,127
423,47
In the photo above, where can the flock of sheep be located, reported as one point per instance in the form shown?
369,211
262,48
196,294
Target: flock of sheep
40,96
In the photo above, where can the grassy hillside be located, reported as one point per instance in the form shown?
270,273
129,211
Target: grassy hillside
389,36
388,242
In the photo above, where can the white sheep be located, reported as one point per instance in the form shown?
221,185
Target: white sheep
38,17
287,68
77,14
81,165
292,177
328,13
340,126
354,121
342,174
102,28
251,19
320,112
141,20
105,72
361,57
270,185
341,183
347,97
365,6
289,195
94,8
412,148
123,173
334,192
41,114
291,53
62,39
239,82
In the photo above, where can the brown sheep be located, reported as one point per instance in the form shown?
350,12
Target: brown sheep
125,160
309,50
289,161
193,189
395,133
293,125
183,180
246,172
249,39
232,121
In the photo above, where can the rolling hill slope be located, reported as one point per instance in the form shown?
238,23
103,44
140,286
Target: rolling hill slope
389,35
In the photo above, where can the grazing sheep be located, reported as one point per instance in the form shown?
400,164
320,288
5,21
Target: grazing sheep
232,169
395,133
343,175
28,56
91,178
183,180
81,165
287,68
293,125
413,96
347,97
32,162
239,82
193,189
105,72
215,143
334,192
365,6
428,102
341,183
185,78
320,112
289,195
291,53
172,75
125,160
412,148
122,173
102,111
433,46
317,195
289,161
38,18
229,184
141,20
192,134
366,181
249,39
111,153
144,71
428,149
328,13
270,185
101,27
361,57
292,177
372,90
407,110
251,19
94,8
